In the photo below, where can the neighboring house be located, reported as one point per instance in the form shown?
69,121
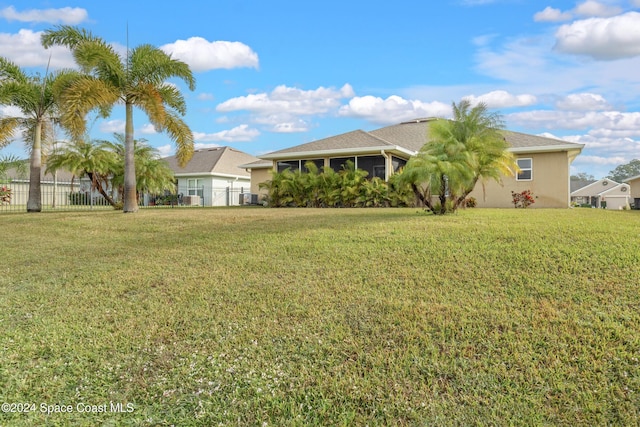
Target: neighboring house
544,162
634,183
604,193
213,176
60,188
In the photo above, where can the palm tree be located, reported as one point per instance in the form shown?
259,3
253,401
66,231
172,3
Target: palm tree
83,157
153,174
139,80
37,99
460,152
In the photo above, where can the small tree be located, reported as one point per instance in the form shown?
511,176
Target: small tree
459,154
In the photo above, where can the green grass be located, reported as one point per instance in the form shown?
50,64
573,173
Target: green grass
322,317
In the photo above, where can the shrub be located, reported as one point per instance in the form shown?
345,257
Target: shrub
79,198
470,202
5,194
523,199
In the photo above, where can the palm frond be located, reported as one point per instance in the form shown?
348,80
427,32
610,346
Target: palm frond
182,136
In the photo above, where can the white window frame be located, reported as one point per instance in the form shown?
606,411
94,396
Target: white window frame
530,169
195,187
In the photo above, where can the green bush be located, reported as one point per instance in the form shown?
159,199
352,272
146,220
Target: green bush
79,199
347,188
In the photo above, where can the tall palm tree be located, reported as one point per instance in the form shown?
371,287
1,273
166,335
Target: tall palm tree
37,98
138,80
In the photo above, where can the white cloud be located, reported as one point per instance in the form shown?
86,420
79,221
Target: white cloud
242,133
294,101
602,38
65,15
549,14
599,160
205,96
394,109
502,99
166,150
591,8
203,55
281,108
148,129
25,50
596,123
112,126
10,111
583,102
290,127
635,3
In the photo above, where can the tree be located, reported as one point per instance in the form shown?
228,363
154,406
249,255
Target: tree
139,80
153,174
83,157
37,98
625,171
460,152
582,176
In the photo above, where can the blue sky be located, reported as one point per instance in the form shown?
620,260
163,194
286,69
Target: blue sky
273,74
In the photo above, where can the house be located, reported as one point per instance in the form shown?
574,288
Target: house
604,193
634,183
544,162
213,176
58,189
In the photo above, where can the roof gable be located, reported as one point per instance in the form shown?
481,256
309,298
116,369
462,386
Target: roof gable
596,188
212,161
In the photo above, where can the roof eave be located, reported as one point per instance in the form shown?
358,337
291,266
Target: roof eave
339,151
577,148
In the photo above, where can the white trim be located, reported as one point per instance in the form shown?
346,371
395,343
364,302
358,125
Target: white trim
530,169
340,152
210,174
547,149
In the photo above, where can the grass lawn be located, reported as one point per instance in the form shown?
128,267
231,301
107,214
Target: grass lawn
320,317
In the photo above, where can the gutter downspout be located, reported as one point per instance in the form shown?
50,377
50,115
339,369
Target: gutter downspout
387,165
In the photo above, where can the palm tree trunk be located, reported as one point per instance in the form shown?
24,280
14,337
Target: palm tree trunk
34,203
97,183
129,196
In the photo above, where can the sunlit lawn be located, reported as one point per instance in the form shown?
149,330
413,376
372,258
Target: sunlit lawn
321,317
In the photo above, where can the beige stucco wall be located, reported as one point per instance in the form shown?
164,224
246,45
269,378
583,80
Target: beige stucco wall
635,187
550,184
258,176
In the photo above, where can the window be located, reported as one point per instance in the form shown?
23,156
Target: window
338,163
294,165
374,165
397,163
318,162
195,187
526,169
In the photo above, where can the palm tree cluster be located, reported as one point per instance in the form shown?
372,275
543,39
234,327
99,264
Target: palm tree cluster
103,162
104,79
347,188
460,153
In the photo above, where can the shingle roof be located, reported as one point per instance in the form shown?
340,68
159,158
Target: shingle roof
211,161
61,175
353,139
411,136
